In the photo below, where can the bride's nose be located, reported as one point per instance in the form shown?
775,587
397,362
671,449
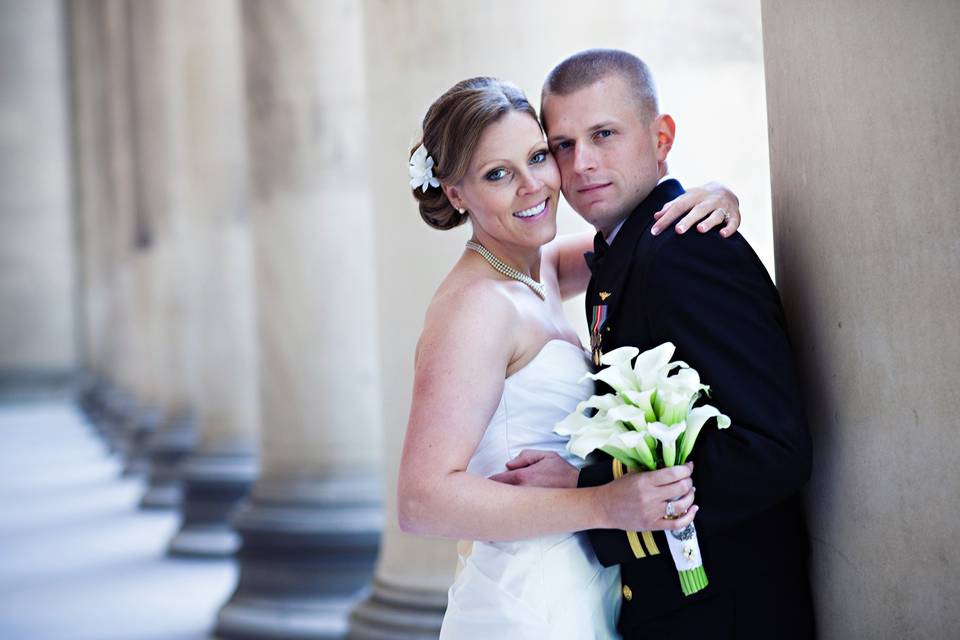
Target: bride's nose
529,183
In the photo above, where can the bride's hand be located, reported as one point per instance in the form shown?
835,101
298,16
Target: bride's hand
638,501
533,468
706,205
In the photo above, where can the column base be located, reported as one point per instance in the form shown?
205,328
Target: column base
140,428
214,483
395,612
309,547
169,448
118,408
91,390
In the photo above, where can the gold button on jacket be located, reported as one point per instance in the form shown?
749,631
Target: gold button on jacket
627,593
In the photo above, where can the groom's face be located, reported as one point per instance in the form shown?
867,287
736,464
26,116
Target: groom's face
608,150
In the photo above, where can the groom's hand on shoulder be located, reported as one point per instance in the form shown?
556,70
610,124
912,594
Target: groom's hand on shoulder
533,468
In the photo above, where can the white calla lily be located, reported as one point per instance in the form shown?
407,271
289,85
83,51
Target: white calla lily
649,364
593,436
672,406
619,357
618,373
619,379
601,403
697,417
572,424
667,435
686,380
633,416
642,400
630,448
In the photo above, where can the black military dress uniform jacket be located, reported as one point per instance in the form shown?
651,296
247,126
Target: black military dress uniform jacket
712,297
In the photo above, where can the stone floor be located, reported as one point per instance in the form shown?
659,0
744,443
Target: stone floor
77,558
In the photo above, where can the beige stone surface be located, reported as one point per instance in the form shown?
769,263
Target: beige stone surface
124,356
313,237
87,75
707,58
219,276
37,270
864,104
158,104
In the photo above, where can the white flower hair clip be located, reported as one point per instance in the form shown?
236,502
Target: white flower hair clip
421,170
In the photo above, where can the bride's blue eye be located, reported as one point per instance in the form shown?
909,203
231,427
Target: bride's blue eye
496,174
538,157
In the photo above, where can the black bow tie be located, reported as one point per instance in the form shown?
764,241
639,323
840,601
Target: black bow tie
595,258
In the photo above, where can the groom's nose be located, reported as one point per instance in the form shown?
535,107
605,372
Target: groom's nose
584,158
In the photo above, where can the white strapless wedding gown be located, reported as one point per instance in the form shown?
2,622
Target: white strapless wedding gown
548,587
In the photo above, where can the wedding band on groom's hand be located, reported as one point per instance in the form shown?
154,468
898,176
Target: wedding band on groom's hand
724,213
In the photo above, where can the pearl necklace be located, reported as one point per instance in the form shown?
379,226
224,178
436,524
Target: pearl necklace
538,287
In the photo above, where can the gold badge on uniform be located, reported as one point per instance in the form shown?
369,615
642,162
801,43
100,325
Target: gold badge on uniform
605,294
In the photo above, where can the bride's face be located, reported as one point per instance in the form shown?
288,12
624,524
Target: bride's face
512,185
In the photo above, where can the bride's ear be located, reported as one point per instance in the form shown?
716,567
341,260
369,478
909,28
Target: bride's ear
454,196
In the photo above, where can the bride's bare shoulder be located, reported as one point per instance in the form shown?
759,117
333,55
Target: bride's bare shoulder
468,313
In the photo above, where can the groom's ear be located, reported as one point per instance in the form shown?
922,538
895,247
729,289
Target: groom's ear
664,128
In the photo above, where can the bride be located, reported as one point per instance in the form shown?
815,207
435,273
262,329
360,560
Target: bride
497,365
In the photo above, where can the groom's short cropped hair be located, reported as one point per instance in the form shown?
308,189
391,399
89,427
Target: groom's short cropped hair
587,67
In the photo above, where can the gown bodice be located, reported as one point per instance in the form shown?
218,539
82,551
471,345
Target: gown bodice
545,587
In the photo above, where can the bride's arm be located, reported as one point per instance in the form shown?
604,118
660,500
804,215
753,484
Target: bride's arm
463,354
703,205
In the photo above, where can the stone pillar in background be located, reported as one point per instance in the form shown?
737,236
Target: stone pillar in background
311,528
124,359
86,26
159,171
38,338
132,306
219,279
864,112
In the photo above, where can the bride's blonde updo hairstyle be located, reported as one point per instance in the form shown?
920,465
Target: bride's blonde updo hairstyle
451,130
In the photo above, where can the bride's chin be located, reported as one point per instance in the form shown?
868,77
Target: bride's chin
551,238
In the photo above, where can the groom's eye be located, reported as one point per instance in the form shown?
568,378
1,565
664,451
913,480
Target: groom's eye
560,146
604,133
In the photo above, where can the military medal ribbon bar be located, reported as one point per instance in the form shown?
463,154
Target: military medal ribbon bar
597,322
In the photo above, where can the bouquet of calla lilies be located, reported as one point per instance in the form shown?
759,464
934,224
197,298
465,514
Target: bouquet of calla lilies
648,423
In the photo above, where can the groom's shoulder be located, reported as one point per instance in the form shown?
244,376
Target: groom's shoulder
669,250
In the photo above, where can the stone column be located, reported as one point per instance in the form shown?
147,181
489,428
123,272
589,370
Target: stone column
864,112
123,360
311,528
38,338
85,29
220,279
132,306
159,171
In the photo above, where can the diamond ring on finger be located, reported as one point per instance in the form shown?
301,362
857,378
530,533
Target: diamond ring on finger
671,511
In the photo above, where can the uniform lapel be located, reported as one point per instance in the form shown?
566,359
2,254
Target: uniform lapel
605,292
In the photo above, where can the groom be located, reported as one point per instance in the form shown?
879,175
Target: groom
714,300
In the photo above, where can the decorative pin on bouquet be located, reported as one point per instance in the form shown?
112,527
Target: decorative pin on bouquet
649,423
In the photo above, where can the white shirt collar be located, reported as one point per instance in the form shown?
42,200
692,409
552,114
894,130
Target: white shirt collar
616,229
